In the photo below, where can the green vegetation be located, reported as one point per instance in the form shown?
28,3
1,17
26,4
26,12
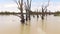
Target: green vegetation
7,13
57,13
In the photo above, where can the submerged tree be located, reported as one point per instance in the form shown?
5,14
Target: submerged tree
20,7
28,9
44,9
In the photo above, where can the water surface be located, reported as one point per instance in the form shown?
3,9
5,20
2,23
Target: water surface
10,24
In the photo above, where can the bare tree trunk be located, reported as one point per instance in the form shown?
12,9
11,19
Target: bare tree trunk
37,14
28,9
29,16
26,15
42,13
22,16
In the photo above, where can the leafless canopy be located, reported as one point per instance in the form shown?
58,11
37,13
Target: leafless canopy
19,3
28,5
45,7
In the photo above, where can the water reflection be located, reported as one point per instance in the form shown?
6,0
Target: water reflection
25,29
27,22
22,29
44,25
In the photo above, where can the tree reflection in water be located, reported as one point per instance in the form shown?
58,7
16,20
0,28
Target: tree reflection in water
44,25
25,29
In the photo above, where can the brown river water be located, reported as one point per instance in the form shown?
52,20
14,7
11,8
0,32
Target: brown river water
10,24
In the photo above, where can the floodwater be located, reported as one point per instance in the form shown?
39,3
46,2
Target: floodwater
10,24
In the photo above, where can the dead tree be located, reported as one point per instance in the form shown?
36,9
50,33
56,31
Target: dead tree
28,9
37,14
44,9
42,13
20,7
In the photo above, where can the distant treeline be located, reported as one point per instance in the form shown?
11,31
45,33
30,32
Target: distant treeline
8,13
24,13
57,12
